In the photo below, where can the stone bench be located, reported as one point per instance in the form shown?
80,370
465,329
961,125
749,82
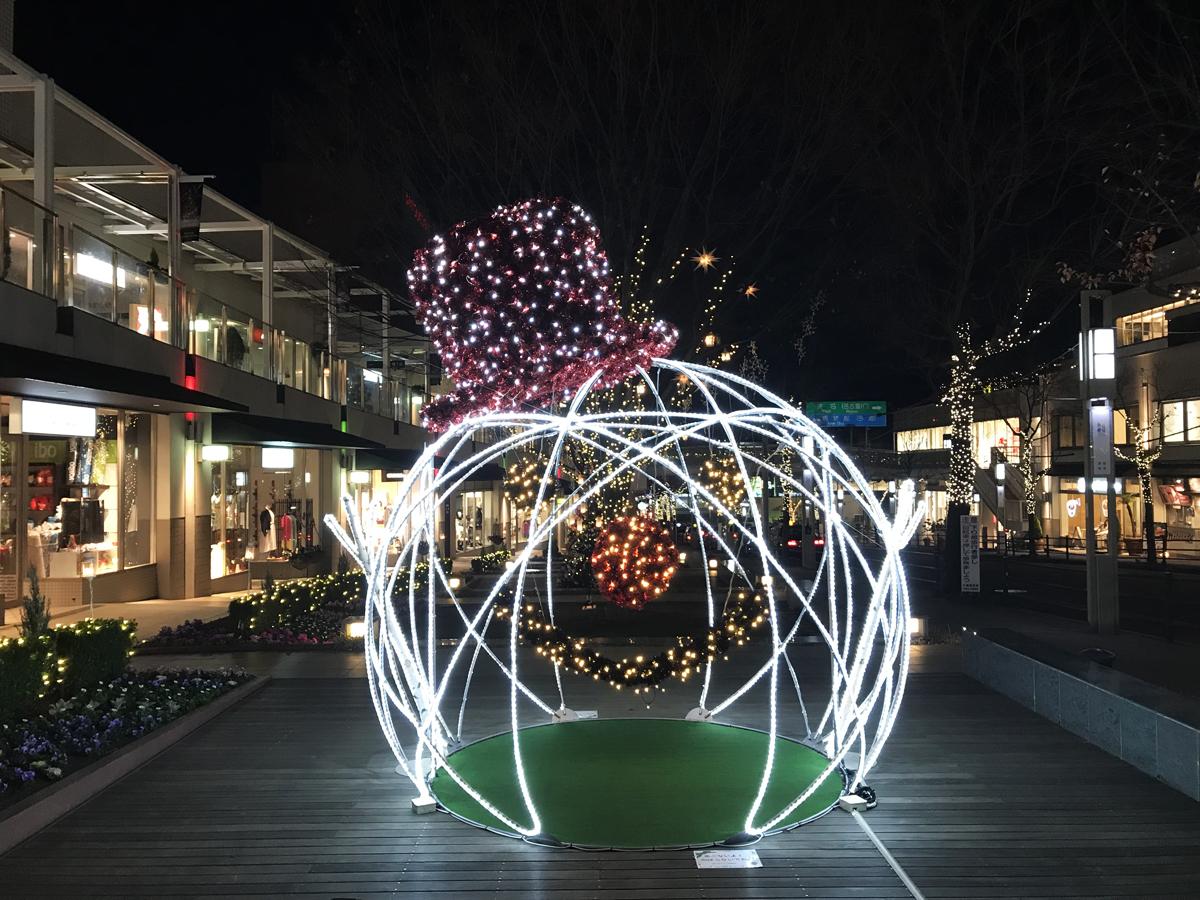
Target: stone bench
1147,726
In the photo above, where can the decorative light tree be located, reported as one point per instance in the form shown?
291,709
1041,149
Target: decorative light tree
1144,450
961,393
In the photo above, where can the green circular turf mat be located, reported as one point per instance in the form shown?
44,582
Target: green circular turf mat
636,783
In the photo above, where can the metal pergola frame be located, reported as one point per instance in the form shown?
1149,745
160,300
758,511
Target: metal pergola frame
359,313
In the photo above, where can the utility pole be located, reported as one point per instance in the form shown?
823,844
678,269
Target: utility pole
1097,375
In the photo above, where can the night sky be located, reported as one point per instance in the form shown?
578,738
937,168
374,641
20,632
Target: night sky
912,167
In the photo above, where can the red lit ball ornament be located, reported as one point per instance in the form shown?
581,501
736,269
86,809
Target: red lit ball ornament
634,561
520,307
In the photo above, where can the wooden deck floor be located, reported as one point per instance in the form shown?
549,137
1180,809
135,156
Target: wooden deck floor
293,793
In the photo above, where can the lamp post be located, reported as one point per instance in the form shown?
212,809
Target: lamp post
1097,375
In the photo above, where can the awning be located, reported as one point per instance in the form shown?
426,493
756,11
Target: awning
267,431
388,460
63,379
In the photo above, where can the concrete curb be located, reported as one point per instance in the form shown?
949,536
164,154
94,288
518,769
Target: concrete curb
31,815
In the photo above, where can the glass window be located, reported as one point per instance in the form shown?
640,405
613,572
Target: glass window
95,276
9,514
1070,432
1193,420
20,259
921,438
1172,422
1148,324
232,531
137,491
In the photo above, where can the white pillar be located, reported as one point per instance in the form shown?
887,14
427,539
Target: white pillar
268,295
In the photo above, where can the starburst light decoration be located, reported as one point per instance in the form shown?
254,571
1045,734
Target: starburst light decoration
420,687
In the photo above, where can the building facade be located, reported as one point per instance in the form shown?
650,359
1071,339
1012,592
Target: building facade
186,389
1156,407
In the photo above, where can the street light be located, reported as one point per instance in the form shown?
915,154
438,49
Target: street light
1097,376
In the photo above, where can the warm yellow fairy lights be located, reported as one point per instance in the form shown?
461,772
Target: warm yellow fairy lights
522,480
743,614
634,561
722,479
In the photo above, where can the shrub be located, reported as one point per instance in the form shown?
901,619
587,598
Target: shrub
492,561
94,650
290,601
35,612
25,665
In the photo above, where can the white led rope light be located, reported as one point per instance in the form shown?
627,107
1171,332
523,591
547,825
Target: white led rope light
868,646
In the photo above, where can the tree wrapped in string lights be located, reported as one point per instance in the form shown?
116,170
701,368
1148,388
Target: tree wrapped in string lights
858,605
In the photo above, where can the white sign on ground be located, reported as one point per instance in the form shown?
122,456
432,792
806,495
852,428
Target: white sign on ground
968,531
724,858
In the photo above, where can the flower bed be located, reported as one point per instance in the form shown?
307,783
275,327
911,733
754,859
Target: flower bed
97,719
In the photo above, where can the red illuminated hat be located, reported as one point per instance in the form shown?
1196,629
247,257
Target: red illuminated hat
520,307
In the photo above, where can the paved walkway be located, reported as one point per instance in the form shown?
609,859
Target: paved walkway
292,792
1173,665
151,615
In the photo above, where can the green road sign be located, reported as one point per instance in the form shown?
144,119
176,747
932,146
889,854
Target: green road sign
846,408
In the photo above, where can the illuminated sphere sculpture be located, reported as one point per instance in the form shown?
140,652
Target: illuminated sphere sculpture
858,602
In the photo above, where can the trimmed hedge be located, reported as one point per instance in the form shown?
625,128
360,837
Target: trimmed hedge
306,605
492,561
35,671
95,650
285,604
25,667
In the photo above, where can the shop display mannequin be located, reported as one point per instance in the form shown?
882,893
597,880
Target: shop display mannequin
266,536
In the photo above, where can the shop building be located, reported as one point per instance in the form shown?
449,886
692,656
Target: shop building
1157,338
184,385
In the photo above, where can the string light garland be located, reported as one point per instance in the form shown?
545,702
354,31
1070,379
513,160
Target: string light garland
685,659
521,309
415,681
634,561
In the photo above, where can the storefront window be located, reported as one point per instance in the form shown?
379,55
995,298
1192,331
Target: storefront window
73,489
921,439
265,505
9,511
231,521
136,496
86,504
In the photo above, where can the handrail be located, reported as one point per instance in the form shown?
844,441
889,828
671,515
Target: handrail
184,315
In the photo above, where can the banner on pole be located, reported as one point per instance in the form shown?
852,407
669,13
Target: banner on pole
968,530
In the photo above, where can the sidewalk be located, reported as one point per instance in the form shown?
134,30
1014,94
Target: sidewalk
150,615
1173,665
